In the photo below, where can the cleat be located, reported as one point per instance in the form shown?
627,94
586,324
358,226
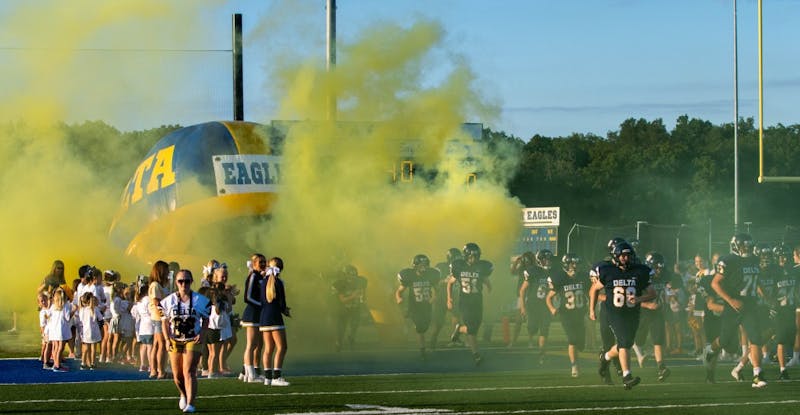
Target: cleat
280,382
603,370
759,382
189,409
737,374
663,374
256,379
456,336
784,375
629,381
575,371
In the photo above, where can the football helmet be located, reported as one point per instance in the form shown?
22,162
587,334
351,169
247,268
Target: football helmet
624,248
614,242
742,245
569,262
654,260
421,260
544,258
453,254
350,271
764,253
781,251
472,250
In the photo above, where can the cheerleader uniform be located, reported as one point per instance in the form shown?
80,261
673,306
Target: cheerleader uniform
271,317
253,293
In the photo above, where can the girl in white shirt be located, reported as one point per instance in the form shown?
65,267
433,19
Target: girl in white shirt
88,315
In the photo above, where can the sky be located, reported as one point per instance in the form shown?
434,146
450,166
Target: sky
550,67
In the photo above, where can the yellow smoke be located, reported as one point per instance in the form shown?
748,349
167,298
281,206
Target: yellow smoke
61,60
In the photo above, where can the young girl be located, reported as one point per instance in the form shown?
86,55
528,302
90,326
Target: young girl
251,317
43,300
125,329
88,315
109,328
219,330
273,331
58,327
144,328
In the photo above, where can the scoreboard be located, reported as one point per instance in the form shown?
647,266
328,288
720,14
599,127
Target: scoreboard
539,229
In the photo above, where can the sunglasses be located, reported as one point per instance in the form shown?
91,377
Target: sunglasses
183,281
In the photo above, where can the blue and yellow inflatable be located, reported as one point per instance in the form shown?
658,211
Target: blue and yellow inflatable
195,175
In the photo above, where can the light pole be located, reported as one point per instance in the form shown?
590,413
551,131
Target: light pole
569,235
678,244
639,223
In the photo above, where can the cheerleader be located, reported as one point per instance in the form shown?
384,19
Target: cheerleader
251,317
273,331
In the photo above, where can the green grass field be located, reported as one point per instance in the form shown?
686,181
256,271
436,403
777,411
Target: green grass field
396,381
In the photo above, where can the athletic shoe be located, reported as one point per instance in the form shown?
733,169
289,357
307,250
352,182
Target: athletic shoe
257,379
241,376
280,382
784,375
189,409
267,381
61,369
84,367
182,403
792,362
455,337
629,381
737,374
663,373
759,382
574,371
603,370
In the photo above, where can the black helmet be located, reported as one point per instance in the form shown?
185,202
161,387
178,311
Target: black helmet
764,253
544,258
569,260
781,251
614,242
350,270
654,260
624,248
421,259
472,249
742,245
453,254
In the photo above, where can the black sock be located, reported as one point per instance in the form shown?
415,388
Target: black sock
268,374
276,374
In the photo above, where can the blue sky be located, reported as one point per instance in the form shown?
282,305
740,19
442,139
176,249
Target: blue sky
554,66
565,66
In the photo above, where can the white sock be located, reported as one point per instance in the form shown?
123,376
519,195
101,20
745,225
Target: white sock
756,371
626,373
738,367
249,371
744,350
796,356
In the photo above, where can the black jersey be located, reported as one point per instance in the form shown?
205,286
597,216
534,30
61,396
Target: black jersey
538,280
767,281
347,286
573,290
621,286
786,287
740,276
420,287
470,278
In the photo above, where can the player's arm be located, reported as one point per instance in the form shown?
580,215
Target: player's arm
398,294
716,284
549,301
450,281
593,291
487,284
649,294
521,299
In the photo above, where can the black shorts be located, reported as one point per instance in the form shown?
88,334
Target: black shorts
606,335
785,327
421,316
539,318
574,327
711,326
471,310
624,324
651,322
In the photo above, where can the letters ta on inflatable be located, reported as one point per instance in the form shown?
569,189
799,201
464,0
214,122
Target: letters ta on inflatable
193,177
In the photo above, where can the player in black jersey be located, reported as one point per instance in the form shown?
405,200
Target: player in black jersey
470,275
572,289
420,282
736,282
532,294
518,267
785,302
626,285
440,300
606,335
652,319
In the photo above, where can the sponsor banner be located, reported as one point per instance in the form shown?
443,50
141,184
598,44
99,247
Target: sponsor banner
246,173
541,216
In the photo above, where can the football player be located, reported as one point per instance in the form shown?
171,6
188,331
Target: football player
572,288
768,272
518,267
606,336
350,290
532,295
626,285
795,360
420,281
440,300
652,319
470,275
736,281
785,305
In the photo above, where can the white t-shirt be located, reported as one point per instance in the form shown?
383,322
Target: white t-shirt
141,314
175,310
